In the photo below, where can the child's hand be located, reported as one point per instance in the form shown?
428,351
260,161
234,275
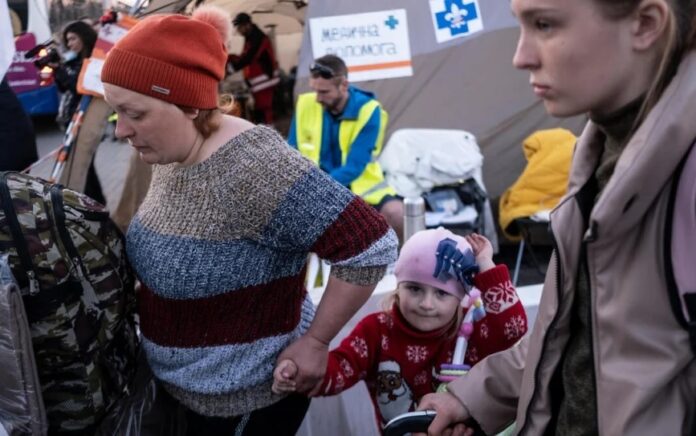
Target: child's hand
283,377
483,250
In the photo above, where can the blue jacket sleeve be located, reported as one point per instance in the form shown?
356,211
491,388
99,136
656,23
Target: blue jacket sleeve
360,152
292,135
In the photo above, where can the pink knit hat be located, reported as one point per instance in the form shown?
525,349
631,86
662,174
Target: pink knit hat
438,258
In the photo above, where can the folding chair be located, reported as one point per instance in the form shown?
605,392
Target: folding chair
530,230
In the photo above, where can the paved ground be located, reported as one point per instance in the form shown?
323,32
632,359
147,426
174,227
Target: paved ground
112,160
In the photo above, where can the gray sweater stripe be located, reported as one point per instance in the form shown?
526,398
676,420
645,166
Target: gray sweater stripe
246,263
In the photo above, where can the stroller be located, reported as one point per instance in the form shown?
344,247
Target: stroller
444,167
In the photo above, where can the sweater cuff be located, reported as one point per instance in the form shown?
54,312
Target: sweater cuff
494,276
363,276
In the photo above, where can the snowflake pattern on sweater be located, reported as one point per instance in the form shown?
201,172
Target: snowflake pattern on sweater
398,362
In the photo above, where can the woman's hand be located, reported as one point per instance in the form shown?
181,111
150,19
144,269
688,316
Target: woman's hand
451,414
310,355
483,250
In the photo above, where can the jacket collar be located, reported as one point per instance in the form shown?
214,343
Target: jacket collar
649,160
356,99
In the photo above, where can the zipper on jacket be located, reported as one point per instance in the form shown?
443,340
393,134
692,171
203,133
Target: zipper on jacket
20,242
593,324
554,320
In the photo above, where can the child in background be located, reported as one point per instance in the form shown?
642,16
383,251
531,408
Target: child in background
399,350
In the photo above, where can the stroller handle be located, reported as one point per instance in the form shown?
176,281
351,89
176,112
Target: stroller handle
411,422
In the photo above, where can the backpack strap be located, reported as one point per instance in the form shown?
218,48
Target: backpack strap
681,240
18,239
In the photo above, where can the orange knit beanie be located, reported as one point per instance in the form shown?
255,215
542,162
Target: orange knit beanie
173,58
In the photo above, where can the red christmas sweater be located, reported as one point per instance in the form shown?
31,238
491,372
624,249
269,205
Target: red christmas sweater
397,361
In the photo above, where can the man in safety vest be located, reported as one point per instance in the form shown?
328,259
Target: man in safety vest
259,66
341,129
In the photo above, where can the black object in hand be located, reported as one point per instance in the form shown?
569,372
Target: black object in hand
411,422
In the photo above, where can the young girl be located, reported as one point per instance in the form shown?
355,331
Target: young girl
399,351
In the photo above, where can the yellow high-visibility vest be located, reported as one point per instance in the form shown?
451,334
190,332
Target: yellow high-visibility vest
309,115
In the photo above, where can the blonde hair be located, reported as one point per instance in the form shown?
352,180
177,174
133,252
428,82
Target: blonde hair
392,298
208,120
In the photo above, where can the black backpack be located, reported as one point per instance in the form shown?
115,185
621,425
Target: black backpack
78,291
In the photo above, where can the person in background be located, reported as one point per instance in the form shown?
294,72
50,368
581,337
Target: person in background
79,38
221,240
608,353
259,65
341,129
398,350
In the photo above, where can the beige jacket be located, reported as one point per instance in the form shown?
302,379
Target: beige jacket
644,366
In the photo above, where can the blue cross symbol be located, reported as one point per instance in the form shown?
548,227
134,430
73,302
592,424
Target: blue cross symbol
391,22
456,16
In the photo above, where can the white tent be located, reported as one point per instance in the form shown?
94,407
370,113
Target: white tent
282,20
467,83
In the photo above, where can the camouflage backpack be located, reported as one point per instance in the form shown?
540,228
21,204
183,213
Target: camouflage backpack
77,286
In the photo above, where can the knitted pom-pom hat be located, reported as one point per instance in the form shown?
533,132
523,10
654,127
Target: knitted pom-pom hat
437,258
173,58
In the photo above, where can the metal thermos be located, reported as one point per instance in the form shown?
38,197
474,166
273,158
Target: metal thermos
414,216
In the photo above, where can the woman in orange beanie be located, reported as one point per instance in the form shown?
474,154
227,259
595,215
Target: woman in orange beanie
220,242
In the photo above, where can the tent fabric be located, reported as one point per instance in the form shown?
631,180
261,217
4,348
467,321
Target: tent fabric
543,182
467,84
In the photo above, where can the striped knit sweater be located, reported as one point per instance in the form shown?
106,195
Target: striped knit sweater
220,248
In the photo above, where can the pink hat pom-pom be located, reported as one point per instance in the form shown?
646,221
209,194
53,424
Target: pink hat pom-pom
216,17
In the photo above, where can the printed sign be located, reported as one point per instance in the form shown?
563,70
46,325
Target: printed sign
455,18
374,45
89,82
22,75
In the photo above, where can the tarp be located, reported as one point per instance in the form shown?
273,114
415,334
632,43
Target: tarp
282,20
467,83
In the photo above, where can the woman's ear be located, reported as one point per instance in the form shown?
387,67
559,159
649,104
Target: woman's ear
650,23
190,113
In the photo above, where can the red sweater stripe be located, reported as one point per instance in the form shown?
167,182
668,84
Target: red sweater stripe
260,311
356,227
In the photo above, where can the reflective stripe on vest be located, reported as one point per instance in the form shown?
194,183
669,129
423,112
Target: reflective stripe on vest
262,82
255,76
370,185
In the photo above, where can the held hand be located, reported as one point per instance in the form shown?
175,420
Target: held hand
451,415
284,377
310,355
483,250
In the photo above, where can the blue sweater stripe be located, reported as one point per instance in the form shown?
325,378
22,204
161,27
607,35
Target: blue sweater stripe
297,221
196,261
227,368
